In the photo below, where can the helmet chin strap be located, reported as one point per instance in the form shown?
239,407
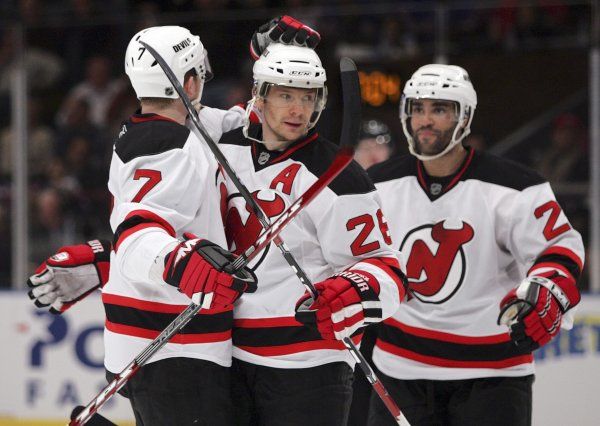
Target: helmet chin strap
201,80
453,142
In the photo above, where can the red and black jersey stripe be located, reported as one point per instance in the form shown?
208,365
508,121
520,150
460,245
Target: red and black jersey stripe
450,350
280,336
140,318
561,258
136,221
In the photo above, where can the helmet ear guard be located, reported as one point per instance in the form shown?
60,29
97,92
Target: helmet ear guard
443,82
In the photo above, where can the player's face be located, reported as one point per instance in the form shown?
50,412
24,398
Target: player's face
432,122
286,112
369,152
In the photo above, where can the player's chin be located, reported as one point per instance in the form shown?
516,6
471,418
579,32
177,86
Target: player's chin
427,149
293,132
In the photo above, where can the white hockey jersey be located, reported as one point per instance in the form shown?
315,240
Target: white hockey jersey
164,182
467,240
343,228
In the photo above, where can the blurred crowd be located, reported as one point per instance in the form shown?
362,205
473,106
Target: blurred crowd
78,94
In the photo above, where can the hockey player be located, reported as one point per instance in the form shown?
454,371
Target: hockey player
475,227
346,234
76,271
283,371
165,182
162,179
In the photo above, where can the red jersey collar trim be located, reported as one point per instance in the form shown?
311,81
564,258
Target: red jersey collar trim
295,147
290,149
455,179
141,118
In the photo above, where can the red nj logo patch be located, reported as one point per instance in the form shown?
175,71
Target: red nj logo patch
436,262
242,227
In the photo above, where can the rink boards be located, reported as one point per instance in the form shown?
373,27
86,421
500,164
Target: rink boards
52,363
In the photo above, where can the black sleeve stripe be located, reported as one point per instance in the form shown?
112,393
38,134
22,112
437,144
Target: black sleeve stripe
135,223
564,261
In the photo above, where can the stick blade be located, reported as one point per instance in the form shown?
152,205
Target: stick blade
347,64
351,103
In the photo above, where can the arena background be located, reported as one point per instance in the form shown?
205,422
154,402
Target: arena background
63,94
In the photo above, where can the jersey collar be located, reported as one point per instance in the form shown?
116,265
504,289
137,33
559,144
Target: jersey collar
138,117
263,157
435,187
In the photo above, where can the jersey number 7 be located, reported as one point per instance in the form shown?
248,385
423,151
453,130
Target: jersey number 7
153,176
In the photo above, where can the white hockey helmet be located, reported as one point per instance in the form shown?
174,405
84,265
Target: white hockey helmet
443,82
290,66
180,49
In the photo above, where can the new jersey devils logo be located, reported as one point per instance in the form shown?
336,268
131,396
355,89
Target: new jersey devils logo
436,262
242,227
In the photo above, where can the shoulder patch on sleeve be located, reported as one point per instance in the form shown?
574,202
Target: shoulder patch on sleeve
320,154
393,168
150,138
504,172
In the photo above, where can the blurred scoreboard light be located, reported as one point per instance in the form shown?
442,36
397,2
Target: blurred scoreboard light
380,88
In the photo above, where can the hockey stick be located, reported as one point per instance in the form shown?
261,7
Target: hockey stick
350,130
349,135
94,420
343,158
212,145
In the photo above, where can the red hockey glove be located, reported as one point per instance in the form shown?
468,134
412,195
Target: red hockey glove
198,267
345,303
283,29
70,275
533,311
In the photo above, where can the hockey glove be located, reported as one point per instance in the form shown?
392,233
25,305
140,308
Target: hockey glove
200,268
70,275
283,29
345,303
533,311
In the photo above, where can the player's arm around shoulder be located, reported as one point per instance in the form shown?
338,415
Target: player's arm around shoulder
219,121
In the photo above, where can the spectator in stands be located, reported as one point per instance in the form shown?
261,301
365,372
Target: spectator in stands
565,160
44,68
98,89
58,178
375,143
40,142
77,123
52,224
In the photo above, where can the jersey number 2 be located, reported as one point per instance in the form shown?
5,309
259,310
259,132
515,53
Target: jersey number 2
550,231
153,177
